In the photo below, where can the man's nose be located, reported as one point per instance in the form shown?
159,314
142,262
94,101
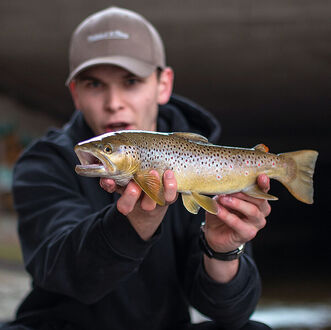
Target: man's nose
114,99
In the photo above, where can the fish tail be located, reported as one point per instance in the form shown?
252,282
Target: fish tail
300,171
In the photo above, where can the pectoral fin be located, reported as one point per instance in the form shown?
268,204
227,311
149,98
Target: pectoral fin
255,191
151,185
207,203
190,204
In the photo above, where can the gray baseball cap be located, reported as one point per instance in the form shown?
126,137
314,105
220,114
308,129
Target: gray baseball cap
116,36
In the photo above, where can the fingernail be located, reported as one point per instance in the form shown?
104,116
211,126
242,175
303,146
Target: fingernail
169,175
227,199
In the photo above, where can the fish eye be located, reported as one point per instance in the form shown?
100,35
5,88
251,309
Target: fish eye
107,148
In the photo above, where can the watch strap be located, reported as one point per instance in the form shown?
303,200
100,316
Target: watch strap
224,256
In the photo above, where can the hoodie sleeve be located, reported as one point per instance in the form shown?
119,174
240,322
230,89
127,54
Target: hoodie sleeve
229,304
68,247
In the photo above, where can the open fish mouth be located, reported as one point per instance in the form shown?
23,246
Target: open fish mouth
91,165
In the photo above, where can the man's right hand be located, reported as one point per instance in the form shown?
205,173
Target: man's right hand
143,213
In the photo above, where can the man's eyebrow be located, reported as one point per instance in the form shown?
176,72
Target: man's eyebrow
131,75
84,77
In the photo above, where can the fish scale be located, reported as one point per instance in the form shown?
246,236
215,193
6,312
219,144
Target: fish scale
200,168
190,158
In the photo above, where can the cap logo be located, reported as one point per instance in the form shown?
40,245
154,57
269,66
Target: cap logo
116,34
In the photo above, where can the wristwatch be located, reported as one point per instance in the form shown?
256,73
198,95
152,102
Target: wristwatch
227,256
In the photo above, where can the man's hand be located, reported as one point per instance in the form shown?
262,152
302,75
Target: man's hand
143,213
239,219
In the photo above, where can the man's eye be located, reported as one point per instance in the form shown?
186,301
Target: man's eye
93,84
132,81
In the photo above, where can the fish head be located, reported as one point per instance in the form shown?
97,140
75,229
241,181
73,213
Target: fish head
105,156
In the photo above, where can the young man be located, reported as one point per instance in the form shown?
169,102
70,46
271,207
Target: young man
111,258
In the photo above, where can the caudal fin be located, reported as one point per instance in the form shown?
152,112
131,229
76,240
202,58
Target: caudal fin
299,180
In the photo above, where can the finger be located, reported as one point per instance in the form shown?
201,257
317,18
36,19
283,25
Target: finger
170,186
129,198
262,204
108,184
252,213
147,204
244,231
263,182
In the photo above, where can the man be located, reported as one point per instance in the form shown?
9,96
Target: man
111,258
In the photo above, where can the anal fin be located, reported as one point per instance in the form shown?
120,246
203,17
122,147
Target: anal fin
190,204
255,191
207,203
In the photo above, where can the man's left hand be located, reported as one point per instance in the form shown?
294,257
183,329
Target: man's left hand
238,220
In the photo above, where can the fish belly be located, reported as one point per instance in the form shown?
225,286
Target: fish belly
224,177
213,183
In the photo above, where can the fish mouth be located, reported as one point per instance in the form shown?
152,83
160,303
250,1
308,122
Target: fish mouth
92,165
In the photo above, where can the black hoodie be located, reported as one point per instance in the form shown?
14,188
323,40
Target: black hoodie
91,270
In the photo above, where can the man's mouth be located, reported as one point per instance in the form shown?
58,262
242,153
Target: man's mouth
118,126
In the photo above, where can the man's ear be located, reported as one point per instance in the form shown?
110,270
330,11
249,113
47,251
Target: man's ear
166,80
73,92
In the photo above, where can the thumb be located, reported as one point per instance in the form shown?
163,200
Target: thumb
263,182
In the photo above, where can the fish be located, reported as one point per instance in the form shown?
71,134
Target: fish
200,167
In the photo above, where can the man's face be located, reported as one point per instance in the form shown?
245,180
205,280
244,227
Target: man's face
111,98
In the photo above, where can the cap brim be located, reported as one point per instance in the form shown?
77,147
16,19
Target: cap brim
139,68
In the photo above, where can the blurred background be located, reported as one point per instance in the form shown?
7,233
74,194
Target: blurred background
262,67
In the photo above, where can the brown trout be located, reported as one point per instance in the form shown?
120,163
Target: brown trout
200,168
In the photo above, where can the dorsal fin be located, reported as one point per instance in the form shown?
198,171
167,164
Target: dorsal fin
192,136
261,147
